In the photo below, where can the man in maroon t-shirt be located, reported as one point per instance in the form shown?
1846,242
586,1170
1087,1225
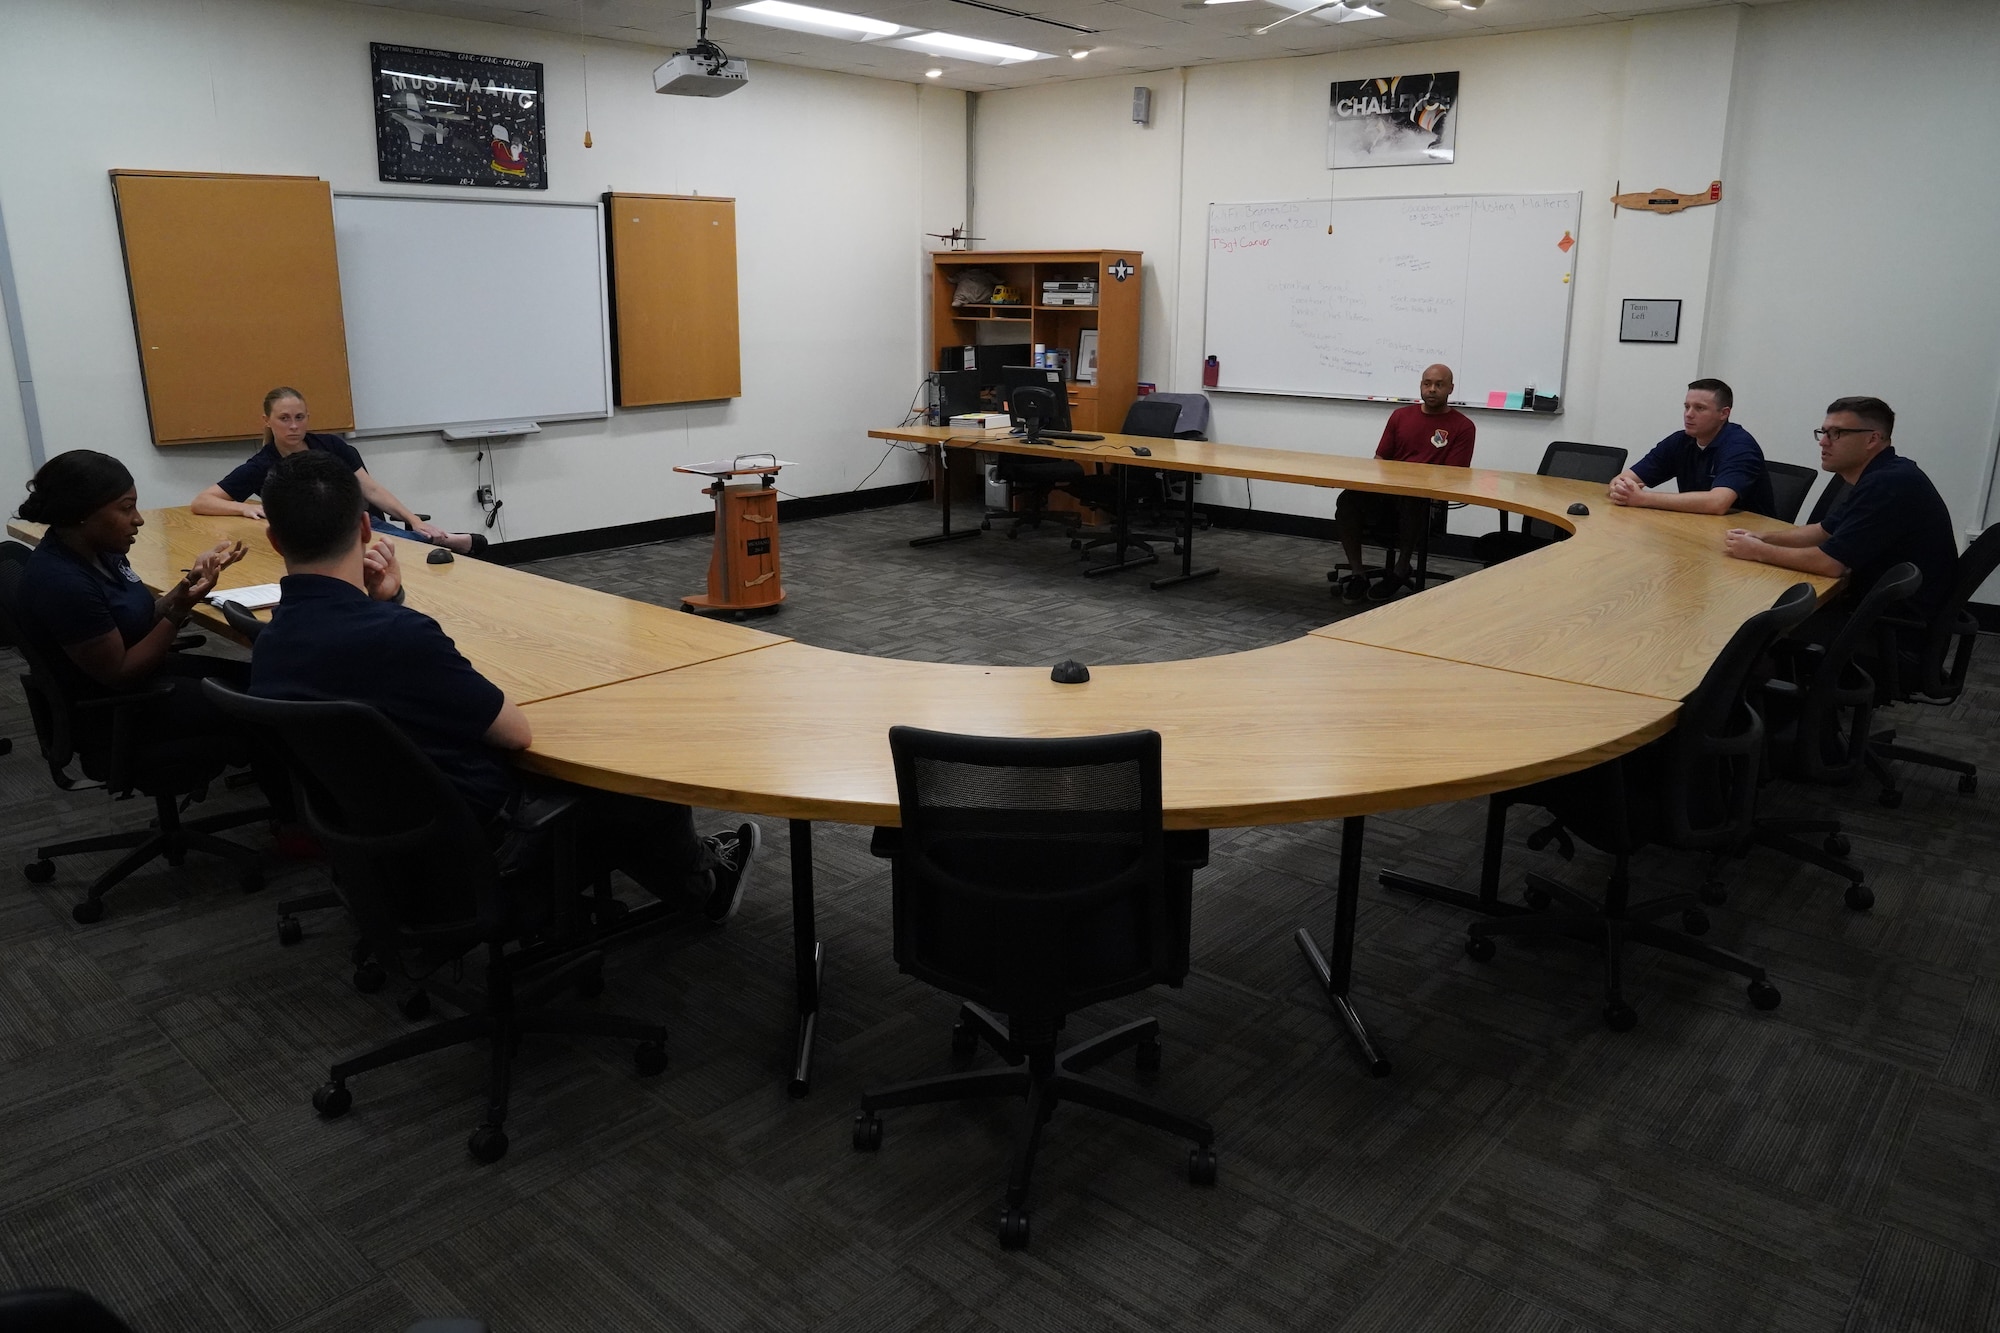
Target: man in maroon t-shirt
1429,432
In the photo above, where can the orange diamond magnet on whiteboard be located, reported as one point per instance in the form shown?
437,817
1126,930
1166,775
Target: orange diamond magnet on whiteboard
1565,243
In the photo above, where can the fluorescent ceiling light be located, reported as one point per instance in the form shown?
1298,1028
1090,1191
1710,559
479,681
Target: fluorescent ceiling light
1078,53
807,18
933,73
973,48
1221,2
1352,14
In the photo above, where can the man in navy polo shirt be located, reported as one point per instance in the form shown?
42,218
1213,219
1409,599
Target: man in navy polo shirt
1715,461
1893,514
338,634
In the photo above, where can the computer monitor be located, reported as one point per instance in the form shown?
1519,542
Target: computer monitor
1056,415
989,359
954,393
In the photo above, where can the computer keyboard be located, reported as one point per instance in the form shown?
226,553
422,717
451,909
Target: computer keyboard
1069,435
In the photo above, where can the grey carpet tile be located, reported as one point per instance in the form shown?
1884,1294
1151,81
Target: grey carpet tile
1916,1286
1834,1163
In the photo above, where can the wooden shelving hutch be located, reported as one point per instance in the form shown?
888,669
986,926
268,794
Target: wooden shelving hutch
1100,406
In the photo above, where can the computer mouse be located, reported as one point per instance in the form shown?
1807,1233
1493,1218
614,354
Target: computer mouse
438,556
1579,508
1142,451
1069,671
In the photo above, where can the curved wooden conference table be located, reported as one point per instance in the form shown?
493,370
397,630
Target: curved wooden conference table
1549,663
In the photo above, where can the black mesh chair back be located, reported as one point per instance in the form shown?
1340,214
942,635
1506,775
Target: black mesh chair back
56,1310
1937,669
1156,419
1032,875
412,864
51,706
1790,484
1712,757
1833,696
1575,462
1831,499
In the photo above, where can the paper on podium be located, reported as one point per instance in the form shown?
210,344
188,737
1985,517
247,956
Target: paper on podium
729,467
253,598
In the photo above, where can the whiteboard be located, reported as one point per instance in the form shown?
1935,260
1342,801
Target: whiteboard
472,310
1352,298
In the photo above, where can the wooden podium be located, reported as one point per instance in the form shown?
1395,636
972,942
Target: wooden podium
743,569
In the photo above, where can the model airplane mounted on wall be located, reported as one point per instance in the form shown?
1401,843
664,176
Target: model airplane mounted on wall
1666,201
955,239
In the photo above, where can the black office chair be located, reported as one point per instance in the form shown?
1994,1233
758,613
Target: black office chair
1790,484
1032,479
1388,537
105,737
422,881
1695,788
1563,458
1129,491
1924,662
1033,877
1817,711
1831,499
11,553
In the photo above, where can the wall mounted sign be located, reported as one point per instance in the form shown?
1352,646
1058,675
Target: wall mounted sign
1666,201
447,118
1410,120
1649,322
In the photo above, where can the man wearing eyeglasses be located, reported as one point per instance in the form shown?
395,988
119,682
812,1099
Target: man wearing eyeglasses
1716,463
1893,514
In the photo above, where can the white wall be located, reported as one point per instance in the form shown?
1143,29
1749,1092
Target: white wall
1859,164
836,179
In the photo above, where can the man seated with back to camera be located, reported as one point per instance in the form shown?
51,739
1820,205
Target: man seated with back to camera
1717,465
1428,431
337,634
1893,514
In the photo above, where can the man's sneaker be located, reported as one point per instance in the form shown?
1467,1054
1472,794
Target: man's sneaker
1355,588
733,854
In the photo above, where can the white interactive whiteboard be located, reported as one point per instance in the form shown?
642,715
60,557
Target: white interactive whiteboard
1353,298
472,310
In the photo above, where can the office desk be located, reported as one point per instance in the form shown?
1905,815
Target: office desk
533,637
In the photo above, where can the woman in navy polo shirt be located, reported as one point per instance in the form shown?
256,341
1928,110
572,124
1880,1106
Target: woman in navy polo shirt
81,598
285,434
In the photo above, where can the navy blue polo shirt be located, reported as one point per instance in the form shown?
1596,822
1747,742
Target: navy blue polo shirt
1732,459
71,599
330,640
248,477
1894,514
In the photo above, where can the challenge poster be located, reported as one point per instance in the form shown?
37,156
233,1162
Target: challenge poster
1410,120
447,118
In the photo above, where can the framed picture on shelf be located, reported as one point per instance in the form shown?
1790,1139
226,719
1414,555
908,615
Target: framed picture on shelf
1086,356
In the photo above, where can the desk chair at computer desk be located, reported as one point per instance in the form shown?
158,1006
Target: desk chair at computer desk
1154,418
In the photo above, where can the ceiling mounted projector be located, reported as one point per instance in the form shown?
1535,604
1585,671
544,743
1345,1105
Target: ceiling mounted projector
703,70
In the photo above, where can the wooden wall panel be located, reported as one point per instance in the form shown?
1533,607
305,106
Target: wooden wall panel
673,298
235,290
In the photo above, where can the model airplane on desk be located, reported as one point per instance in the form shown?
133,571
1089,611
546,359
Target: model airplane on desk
1667,201
955,239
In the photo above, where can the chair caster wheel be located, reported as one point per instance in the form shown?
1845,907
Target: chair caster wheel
964,1041
1201,1166
88,911
591,984
1694,921
867,1132
369,977
1479,949
488,1144
1620,1017
1146,1057
39,872
1836,844
1712,893
290,932
332,1100
1013,1229
648,1058
1860,897
1890,799
1968,783
416,1006
1763,995
1539,899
